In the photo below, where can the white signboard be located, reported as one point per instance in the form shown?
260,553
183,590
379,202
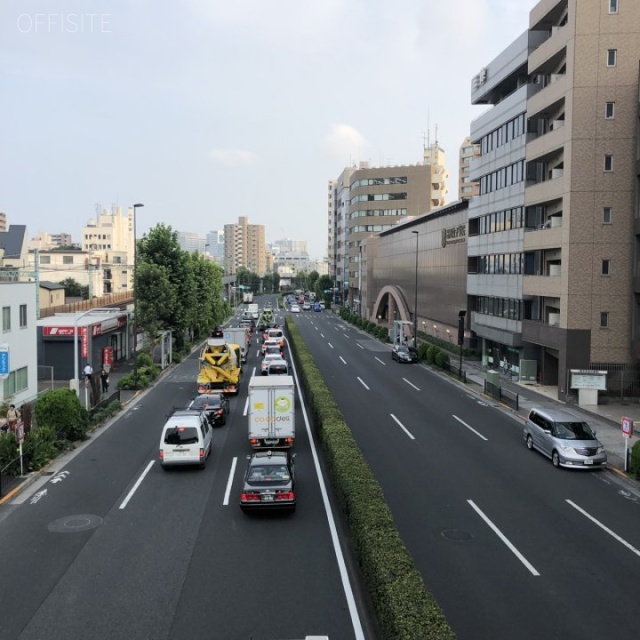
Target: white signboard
585,379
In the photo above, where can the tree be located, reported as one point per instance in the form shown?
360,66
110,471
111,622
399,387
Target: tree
312,280
73,289
324,288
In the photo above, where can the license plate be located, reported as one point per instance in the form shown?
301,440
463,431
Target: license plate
267,497
588,462
271,443
180,452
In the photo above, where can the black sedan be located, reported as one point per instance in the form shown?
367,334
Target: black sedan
269,482
215,406
402,353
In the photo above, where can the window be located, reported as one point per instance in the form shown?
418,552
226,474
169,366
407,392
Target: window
613,6
6,318
17,381
604,319
612,57
608,163
67,259
606,215
609,110
45,259
606,267
23,316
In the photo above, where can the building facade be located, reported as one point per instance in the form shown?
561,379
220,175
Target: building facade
429,251
553,231
379,198
467,188
245,246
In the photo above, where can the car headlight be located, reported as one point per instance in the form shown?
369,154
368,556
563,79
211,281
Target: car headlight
600,450
567,449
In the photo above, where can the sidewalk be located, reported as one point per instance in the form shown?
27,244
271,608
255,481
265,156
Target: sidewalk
606,419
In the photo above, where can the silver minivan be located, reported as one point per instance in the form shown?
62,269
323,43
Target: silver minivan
565,438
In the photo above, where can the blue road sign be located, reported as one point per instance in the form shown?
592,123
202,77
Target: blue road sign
4,360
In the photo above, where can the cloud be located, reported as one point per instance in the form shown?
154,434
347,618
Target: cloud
232,157
345,144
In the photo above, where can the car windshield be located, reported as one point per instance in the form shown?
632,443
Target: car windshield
268,473
181,435
574,431
210,401
403,348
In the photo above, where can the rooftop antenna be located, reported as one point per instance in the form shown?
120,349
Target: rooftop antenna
436,135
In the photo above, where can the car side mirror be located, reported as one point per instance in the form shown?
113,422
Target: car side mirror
248,456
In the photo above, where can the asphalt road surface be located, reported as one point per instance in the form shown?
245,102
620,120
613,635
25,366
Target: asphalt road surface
509,546
111,546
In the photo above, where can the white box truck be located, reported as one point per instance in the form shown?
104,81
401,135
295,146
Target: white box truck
271,412
237,335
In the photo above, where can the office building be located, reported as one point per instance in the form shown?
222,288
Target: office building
191,242
553,231
467,188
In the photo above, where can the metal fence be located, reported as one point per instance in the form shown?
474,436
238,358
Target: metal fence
510,398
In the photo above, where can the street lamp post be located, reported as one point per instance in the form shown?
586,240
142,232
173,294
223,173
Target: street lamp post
415,300
360,284
135,297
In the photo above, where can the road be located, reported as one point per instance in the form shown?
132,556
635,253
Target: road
111,546
509,546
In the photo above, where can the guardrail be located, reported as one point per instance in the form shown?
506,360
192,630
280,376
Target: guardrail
510,398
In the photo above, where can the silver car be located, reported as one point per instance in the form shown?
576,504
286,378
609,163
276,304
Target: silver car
565,438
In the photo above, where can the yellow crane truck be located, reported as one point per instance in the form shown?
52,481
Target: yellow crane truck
220,366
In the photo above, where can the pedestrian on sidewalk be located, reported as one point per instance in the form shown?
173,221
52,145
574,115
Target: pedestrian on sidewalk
88,372
104,378
13,415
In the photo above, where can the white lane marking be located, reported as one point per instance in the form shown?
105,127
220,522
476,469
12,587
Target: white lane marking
345,335
504,539
246,406
411,384
343,360
316,328
337,549
363,384
37,496
330,344
380,361
604,528
227,493
402,426
136,485
359,345
470,428
322,335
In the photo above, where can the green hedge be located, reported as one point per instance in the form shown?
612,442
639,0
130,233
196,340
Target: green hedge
404,607
634,462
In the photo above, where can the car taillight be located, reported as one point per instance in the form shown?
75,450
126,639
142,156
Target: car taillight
202,453
289,440
285,495
253,440
161,454
250,497
219,412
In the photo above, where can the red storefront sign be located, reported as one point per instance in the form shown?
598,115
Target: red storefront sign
107,357
84,341
58,331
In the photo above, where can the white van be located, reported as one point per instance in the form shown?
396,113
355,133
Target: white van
186,439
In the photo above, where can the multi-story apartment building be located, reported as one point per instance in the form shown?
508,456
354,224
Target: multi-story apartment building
552,230
339,209
46,241
379,198
331,228
245,246
109,240
467,188
3,222
434,156
58,265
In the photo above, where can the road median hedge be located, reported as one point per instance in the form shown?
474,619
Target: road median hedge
404,607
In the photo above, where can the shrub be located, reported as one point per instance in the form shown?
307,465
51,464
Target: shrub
144,360
442,359
634,462
431,354
422,351
61,410
40,447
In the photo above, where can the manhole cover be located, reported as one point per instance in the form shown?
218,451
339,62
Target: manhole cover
74,524
455,534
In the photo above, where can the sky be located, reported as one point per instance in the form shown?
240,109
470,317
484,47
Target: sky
207,110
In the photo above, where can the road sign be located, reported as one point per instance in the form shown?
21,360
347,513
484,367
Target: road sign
627,427
4,361
20,432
